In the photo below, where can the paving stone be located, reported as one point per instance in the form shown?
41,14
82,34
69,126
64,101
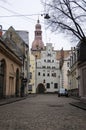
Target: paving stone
42,112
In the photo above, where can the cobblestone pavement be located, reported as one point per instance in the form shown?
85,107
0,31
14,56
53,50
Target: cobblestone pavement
42,112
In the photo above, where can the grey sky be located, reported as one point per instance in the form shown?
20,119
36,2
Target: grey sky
30,7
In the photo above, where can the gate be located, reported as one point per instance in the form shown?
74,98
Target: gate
41,88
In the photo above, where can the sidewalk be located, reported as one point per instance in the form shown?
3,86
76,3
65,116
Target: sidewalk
14,99
10,100
79,104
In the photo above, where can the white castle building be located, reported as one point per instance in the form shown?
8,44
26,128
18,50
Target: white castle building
47,71
48,76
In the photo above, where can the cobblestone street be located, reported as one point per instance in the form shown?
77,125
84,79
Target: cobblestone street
42,112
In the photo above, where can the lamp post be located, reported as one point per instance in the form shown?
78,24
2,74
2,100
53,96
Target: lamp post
59,82
70,87
46,16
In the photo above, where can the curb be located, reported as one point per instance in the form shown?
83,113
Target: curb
11,101
79,105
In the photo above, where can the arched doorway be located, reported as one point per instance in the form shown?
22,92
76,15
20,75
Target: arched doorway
2,78
41,88
17,83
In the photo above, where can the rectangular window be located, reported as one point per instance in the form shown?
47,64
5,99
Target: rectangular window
48,74
43,74
53,74
67,64
30,75
48,85
39,73
44,81
55,85
43,66
48,67
53,67
30,88
29,65
48,61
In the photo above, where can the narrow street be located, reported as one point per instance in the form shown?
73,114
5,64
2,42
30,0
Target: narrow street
42,112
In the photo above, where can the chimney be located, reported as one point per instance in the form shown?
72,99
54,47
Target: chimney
0,30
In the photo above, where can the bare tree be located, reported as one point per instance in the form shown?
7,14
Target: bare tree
67,16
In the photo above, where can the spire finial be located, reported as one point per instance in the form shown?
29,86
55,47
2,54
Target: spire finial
38,20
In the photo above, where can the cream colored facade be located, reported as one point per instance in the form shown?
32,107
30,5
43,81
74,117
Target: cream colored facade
82,81
73,81
64,67
20,46
32,82
73,74
10,83
47,73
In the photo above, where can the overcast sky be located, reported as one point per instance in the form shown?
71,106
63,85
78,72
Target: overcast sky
29,7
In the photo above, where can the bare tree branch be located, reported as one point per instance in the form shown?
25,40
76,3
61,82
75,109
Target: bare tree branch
67,15
80,5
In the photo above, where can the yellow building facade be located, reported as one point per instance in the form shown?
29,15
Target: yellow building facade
32,82
10,68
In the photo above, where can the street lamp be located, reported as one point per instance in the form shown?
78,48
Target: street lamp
59,81
46,16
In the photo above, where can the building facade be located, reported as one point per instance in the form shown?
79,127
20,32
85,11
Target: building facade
32,75
13,63
20,45
81,63
47,71
73,73
64,67
10,68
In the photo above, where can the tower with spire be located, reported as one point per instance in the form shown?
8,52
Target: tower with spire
37,44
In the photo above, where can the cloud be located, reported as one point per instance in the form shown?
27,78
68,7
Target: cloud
3,0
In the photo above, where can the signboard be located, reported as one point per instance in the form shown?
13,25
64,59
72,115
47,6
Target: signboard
24,80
